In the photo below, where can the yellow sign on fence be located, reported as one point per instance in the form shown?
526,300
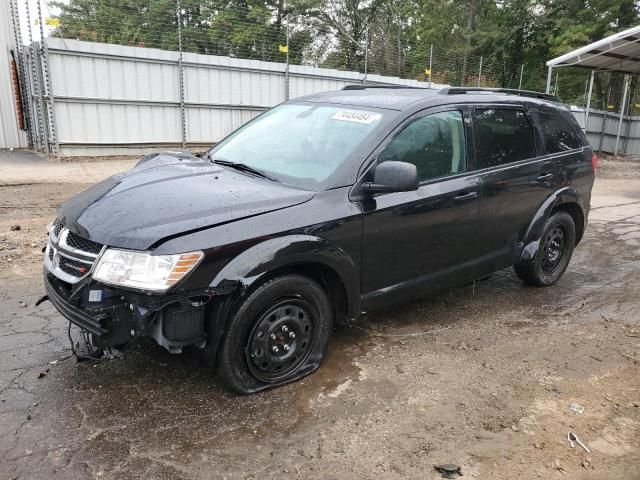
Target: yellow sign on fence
284,48
52,21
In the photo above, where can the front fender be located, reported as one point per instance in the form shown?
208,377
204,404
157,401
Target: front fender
253,264
533,234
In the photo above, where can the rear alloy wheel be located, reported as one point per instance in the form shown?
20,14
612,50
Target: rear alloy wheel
554,252
279,334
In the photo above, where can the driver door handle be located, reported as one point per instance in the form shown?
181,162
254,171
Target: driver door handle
545,177
464,196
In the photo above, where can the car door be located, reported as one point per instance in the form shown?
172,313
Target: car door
565,143
411,239
516,179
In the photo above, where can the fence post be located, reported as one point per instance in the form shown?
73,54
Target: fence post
366,55
430,63
52,134
480,71
183,117
286,68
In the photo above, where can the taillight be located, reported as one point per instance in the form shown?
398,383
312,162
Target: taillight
594,162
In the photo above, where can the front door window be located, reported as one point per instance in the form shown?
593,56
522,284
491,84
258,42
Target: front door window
434,144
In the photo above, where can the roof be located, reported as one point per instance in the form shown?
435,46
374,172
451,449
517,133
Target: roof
617,53
392,98
401,98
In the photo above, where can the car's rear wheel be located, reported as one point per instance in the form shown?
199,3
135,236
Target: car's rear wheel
279,334
554,252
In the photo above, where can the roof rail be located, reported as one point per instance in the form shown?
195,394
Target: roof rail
508,91
365,87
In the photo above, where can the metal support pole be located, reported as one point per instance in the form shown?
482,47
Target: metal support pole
586,113
366,55
52,134
24,95
624,101
430,63
632,94
183,115
286,70
555,87
604,121
36,84
549,73
42,103
480,71
521,73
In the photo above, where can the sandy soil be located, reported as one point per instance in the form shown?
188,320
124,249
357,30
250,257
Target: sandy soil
490,377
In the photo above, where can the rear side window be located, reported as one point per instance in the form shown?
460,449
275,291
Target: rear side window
502,135
559,136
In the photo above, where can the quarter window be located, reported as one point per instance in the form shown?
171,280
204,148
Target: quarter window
502,136
559,136
434,144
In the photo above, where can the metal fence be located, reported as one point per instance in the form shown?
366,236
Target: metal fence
603,127
112,99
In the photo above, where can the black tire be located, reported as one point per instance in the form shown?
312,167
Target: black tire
554,253
279,334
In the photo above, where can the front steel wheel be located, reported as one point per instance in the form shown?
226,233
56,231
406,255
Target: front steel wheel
281,340
279,334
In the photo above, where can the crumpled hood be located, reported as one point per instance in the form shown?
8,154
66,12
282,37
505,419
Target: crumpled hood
170,194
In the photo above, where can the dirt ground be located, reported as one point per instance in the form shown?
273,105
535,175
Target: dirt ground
490,377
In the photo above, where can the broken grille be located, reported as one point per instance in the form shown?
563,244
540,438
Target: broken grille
69,256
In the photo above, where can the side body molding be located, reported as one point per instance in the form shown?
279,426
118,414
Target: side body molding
288,251
533,235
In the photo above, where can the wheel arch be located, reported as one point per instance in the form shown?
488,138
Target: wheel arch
315,257
566,199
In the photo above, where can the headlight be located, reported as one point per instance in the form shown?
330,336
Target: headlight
143,270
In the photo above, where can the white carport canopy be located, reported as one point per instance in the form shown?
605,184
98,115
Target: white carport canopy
617,53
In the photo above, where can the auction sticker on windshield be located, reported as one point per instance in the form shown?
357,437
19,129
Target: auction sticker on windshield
356,116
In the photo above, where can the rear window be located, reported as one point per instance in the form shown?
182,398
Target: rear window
559,136
502,135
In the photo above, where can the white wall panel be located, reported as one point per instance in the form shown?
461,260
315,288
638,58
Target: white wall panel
123,98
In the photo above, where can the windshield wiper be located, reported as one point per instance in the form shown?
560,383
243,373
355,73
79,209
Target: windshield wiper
243,167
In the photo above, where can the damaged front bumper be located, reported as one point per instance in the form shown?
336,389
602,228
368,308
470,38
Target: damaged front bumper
115,317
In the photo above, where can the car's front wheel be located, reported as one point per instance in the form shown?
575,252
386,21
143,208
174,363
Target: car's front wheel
279,334
554,252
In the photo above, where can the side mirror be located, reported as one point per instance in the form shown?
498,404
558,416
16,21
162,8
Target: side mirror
393,176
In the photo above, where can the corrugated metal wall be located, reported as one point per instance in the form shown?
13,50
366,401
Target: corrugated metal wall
10,135
603,128
114,99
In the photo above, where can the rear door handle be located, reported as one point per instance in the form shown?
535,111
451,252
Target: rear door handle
545,177
465,196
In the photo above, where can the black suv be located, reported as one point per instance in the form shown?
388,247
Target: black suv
316,211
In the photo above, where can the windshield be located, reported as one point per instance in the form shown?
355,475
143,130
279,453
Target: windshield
299,144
